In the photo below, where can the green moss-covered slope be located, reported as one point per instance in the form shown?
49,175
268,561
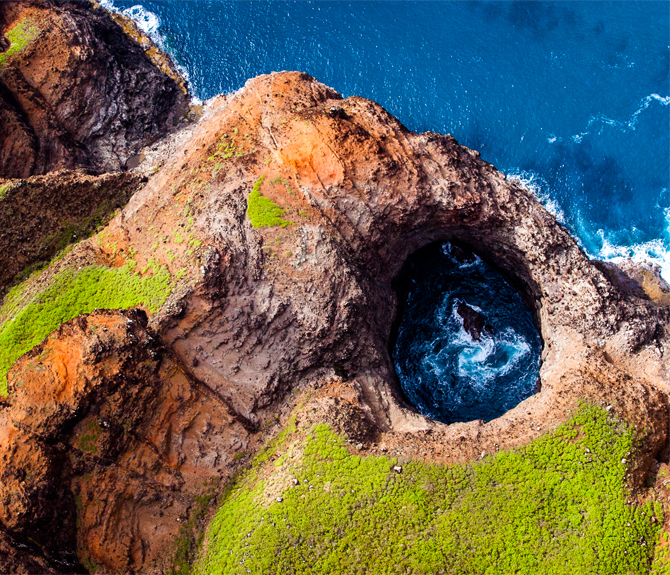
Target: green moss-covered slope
70,294
262,211
557,506
19,36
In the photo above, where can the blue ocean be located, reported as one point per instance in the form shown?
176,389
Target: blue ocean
572,99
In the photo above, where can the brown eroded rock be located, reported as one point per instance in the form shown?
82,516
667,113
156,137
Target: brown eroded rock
50,118
105,446
42,214
274,304
261,311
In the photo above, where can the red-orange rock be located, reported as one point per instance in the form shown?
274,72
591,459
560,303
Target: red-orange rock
260,312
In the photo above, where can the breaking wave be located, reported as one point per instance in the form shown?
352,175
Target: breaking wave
447,371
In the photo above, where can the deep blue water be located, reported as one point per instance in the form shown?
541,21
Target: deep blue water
447,372
570,98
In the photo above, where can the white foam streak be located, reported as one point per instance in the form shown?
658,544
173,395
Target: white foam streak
626,125
537,186
476,358
146,21
654,252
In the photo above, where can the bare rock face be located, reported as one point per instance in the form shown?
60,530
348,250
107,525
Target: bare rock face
106,445
42,214
304,304
50,118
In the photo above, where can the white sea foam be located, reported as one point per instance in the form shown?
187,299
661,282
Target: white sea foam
539,187
146,21
446,248
655,252
476,359
600,121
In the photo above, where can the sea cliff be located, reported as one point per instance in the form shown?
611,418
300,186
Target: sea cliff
238,309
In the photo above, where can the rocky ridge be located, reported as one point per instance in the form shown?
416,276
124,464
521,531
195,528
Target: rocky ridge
41,215
52,119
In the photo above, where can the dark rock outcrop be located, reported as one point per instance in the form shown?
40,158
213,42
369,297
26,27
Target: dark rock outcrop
41,215
76,91
258,312
473,322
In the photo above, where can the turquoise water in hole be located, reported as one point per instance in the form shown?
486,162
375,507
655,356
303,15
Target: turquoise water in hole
570,98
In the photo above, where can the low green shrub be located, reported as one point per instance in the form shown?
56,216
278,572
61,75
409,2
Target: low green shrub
557,506
71,294
4,189
91,432
262,211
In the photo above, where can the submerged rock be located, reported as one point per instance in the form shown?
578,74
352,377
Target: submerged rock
473,322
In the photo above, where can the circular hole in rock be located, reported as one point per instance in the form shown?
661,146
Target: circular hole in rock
466,346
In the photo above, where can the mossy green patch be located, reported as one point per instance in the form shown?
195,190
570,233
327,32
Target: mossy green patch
5,188
19,36
187,542
262,211
557,506
73,293
661,564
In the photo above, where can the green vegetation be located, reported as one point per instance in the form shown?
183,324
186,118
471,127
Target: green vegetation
283,182
6,187
557,506
262,211
661,565
187,543
19,37
226,148
77,230
72,293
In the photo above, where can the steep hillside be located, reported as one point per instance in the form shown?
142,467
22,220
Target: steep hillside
75,91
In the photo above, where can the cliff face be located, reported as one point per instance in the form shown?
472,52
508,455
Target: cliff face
117,429
75,91
41,215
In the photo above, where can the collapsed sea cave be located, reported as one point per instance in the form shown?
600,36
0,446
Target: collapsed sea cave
464,344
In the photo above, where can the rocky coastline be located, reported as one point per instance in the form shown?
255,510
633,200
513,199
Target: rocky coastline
121,427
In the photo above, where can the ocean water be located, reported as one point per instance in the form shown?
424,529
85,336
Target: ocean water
445,372
572,99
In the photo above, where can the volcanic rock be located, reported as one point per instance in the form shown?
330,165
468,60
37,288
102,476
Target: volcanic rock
107,442
473,322
259,312
76,91
42,214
